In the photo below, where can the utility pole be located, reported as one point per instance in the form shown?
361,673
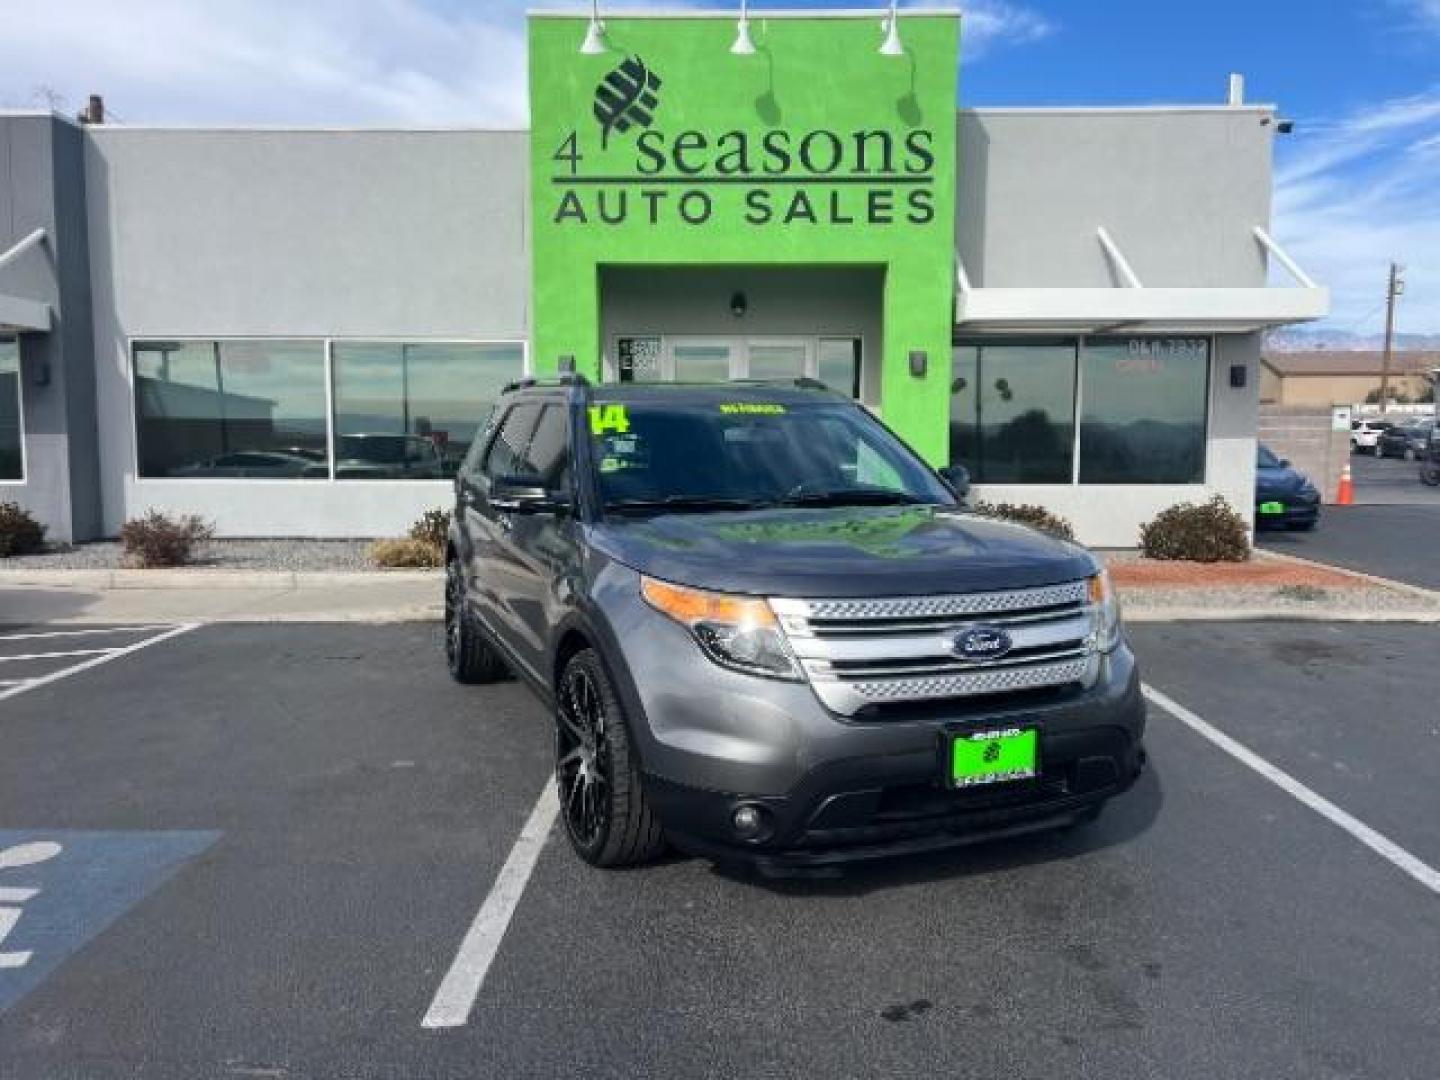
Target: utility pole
1394,288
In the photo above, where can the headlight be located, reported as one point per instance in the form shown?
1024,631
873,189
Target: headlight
1105,624
738,632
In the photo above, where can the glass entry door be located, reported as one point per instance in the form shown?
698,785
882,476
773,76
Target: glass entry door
716,358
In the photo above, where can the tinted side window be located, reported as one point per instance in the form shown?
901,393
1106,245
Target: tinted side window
548,456
506,455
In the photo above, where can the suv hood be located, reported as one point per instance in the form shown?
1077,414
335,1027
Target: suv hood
842,551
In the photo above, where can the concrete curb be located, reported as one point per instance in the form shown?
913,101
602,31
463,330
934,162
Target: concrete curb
1373,579
1134,614
203,578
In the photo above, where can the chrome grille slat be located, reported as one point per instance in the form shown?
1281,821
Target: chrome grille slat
955,604
937,665
970,684
858,652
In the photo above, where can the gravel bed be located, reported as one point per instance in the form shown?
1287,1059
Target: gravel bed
218,554
1367,598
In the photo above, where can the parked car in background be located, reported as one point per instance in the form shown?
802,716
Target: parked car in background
1365,434
252,463
1284,496
1408,441
1430,460
387,457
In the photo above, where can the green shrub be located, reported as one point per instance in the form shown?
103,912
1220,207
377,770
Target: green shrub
1037,517
1207,532
406,552
20,533
158,539
433,528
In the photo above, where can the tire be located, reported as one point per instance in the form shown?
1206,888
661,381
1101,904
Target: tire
1430,474
470,658
1409,453
1379,450
607,818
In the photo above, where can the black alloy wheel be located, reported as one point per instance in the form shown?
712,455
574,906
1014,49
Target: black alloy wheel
597,774
469,657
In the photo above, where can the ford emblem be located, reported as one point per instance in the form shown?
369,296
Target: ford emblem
976,643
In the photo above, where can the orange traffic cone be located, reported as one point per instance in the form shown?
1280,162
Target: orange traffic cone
1346,495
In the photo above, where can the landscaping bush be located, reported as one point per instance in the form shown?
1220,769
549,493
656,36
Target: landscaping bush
1207,532
158,539
1037,517
433,528
406,552
20,533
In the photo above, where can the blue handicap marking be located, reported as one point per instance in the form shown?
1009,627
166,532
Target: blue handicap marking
59,888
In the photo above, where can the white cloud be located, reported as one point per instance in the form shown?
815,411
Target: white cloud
986,24
313,62
1355,193
269,61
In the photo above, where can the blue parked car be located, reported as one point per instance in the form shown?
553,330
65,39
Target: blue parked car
1284,496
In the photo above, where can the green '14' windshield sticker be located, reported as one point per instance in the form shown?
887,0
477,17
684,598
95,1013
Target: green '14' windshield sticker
607,418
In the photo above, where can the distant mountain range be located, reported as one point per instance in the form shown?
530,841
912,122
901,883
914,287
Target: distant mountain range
1300,339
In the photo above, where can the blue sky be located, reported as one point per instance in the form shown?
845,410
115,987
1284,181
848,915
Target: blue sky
1357,183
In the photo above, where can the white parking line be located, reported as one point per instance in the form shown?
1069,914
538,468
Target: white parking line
106,655
1422,872
461,985
50,655
76,633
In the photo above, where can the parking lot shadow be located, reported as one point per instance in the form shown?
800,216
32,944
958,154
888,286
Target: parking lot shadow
29,605
1125,818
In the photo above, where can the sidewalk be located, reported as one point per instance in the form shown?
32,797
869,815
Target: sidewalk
1269,586
198,595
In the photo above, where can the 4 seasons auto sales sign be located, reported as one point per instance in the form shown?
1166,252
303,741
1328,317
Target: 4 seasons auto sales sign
668,149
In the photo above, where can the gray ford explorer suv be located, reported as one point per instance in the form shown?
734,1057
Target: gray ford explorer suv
770,633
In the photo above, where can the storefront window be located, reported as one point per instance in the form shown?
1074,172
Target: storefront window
1143,411
231,409
1012,412
10,430
410,411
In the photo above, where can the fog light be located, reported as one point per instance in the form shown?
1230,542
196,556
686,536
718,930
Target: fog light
748,821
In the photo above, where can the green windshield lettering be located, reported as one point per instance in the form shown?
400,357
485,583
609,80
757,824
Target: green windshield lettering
606,418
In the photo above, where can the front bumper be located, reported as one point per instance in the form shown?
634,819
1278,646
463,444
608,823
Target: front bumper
1299,510
834,788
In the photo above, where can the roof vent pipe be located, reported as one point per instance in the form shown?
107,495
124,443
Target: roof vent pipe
1237,88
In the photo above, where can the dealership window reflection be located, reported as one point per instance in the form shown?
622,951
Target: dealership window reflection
1144,408
1012,412
10,432
410,411
231,409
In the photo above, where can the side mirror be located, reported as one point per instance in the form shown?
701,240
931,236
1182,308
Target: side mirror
1285,463
957,478
522,495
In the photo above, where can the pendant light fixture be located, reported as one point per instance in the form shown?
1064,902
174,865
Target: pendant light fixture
892,46
594,43
743,45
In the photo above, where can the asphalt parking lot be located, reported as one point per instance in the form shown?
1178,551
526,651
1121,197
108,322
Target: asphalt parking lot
255,850
1391,530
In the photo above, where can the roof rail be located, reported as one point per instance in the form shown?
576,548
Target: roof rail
568,379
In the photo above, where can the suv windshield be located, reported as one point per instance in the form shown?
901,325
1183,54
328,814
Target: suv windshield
729,455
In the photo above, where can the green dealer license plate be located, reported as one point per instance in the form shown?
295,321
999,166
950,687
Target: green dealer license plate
994,757
1272,508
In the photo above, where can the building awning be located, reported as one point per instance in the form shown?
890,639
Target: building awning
17,313
1133,308
23,316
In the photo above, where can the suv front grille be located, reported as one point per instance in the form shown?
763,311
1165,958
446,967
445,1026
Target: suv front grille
896,649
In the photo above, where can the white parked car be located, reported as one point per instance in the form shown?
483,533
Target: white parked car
1365,434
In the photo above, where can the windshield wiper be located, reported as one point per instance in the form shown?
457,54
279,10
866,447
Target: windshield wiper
699,503
852,497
